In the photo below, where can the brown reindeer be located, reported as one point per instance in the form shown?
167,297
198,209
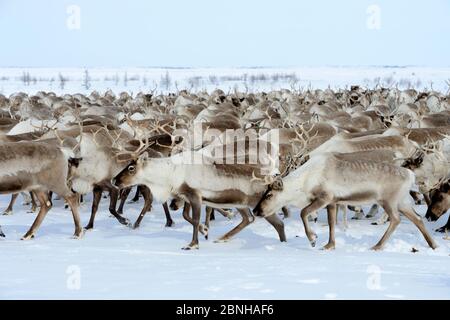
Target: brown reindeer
38,167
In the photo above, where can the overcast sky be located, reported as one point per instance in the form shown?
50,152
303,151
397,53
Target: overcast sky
227,33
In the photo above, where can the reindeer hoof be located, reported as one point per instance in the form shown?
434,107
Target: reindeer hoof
329,246
124,221
376,248
2,234
7,213
221,240
27,237
313,239
88,227
78,234
190,247
441,229
135,226
203,230
169,223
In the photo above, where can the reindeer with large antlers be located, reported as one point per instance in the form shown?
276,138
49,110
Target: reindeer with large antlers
329,179
197,177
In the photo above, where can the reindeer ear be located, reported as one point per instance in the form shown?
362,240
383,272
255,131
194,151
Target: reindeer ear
75,162
419,160
178,139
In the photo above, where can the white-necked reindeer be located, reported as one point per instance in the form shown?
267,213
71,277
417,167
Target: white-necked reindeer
330,179
197,178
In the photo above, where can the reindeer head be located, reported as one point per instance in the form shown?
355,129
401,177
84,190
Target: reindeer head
270,201
130,175
440,202
414,162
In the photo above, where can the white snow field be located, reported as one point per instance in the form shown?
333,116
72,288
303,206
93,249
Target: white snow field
84,80
114,261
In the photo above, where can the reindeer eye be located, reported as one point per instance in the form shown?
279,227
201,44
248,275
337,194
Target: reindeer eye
269,195
132,169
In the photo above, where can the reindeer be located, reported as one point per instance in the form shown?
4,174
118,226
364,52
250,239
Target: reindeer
95,167
38,167
329,179
198,179
439,204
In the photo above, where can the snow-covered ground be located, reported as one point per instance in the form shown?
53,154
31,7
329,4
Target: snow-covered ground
114,261
84,80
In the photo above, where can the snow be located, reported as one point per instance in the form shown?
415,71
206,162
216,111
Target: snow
113,261
134,80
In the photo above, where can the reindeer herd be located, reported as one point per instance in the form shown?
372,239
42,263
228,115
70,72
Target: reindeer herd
332,149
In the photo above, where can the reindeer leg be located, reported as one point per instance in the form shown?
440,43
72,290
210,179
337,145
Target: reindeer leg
33,202
331,213
382,220
136,196
359,212
72,201
373,211
148,199
202,228
186,209
195,201
286,213
123,197
169,221
227,214
208,211
45,206
97,196
26,198
9,210
317,204
212,216
313,216
278,224
247,218
344,217
409,213
394,220
113,196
